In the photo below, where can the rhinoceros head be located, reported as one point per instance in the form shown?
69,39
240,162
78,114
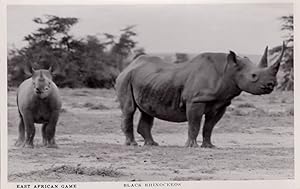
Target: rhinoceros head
42,81
256,79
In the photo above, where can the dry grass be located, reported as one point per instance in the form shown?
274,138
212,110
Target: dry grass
78,170
81,92
246,105
92,106
259,112
90,171
238,112
239,98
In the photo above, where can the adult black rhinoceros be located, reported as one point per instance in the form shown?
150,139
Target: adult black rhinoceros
38,102
185,92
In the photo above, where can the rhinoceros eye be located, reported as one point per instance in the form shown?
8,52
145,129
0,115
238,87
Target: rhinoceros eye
254,77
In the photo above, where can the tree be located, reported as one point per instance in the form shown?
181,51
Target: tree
287,66
52,45
48,46
84,62
123,47
99,70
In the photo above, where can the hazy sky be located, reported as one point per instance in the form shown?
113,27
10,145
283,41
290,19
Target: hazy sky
168,28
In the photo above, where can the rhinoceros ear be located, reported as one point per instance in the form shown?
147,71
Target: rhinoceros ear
263,63
53,70
231,57
28,70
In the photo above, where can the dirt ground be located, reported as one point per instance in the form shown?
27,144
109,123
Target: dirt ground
255,140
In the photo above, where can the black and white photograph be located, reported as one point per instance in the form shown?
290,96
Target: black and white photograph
151,95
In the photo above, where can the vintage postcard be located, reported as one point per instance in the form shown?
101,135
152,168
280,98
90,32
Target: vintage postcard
128,94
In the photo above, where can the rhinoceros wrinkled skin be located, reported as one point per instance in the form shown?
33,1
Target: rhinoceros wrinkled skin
185,92
38,101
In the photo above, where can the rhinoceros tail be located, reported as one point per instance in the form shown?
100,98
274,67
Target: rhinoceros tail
17,101
18,104
132,96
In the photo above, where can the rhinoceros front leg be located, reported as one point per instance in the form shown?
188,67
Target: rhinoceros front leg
211,120
144,128
48,130
21,138
194,115
30,129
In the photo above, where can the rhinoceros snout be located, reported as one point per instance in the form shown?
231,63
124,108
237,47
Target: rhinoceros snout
38,91
271,85
268,88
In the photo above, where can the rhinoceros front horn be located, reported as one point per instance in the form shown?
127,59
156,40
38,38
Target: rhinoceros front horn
274,68
264,59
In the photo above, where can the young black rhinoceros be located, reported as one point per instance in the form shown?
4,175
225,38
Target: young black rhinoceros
38,101
185,92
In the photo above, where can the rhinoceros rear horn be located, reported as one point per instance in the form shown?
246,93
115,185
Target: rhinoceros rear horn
264,59
274,68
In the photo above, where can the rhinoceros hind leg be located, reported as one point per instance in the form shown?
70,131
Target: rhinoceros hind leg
128,107
21,138
144,128
127,126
